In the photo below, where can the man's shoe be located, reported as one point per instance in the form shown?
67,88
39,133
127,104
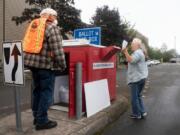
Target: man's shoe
132,116
50,124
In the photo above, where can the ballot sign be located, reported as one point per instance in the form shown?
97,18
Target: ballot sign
91,34
13,65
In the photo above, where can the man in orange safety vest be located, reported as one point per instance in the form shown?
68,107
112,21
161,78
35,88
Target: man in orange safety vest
43,53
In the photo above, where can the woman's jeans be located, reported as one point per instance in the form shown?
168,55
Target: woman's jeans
136,97
43,83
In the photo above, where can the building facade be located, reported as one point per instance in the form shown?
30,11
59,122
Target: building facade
12,31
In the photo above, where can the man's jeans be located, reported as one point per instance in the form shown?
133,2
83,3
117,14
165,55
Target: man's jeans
43,83
136,97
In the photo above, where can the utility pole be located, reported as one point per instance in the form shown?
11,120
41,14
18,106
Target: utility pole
4,17
175,45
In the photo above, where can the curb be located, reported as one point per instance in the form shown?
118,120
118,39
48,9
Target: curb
104,118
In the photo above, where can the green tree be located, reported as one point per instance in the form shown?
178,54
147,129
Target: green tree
68,16
113,29
168,55
131,33
163,48
162,53
154,53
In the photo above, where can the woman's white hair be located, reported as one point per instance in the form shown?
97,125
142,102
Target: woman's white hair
140,44
48,11
137,41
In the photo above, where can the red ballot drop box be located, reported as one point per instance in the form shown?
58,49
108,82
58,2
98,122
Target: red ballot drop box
98,62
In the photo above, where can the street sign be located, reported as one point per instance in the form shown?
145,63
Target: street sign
13,63
92,34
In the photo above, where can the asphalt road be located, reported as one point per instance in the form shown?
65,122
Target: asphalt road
162,100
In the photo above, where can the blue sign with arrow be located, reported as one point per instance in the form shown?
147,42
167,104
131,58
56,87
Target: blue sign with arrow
91,34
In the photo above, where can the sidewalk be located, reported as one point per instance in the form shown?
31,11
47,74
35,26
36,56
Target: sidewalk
66,126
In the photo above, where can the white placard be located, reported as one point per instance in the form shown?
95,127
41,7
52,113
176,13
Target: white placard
124,44
75,42
103,65
13,63
97,96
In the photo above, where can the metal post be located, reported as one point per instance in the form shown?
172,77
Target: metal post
18,110
4,17
78,90
175,47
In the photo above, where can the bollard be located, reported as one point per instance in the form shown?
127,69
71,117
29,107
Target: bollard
18,110
78,90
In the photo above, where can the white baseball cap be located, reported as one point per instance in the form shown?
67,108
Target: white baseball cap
48,11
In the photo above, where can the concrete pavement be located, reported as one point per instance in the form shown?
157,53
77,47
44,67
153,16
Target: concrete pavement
66,126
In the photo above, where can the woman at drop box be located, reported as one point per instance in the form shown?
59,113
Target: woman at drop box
136,77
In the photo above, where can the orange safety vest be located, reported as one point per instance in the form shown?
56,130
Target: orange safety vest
33,40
